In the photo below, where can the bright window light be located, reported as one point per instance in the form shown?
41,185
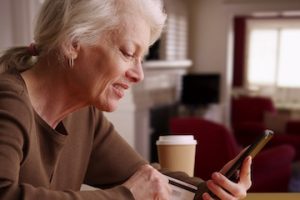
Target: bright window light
262,57
289,58
273,54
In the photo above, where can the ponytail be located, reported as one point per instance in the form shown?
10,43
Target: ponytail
20,58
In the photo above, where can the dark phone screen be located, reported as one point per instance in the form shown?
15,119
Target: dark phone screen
251,150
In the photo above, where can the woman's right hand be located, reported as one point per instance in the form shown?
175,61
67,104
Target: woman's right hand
224,188
149,184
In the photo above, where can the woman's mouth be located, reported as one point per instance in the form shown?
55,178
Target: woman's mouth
119,89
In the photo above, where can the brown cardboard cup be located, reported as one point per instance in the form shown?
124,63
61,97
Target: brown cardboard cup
177,153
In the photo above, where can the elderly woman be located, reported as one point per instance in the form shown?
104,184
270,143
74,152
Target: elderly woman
53,136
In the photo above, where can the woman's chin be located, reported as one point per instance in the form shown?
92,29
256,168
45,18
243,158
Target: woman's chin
110,110
108,107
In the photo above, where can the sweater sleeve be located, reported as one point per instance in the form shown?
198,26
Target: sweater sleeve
13,191
16,116
112,158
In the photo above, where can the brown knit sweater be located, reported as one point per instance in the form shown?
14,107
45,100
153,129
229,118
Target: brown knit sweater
38,162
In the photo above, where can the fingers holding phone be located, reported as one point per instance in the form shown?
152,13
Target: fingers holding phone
223,188
229,165
226,184
232,168
245,172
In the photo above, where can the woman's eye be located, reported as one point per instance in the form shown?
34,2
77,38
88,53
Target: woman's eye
127,54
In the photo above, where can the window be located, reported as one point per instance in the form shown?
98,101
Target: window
273,59
273,53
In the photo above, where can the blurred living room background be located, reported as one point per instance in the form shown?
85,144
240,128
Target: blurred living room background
234,65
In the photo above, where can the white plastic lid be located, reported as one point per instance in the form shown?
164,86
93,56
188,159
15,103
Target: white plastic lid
176,140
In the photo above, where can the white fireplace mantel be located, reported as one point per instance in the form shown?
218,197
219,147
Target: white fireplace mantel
160,86
167,64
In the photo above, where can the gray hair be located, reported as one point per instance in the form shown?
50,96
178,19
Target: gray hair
63,22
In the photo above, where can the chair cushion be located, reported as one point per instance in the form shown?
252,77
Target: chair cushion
275,121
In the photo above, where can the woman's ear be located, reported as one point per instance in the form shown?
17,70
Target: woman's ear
71,50
75,48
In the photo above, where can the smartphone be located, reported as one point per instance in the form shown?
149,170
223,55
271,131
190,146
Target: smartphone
251,150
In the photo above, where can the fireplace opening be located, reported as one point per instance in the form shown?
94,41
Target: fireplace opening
159,122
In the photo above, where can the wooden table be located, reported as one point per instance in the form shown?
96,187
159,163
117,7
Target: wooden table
273,196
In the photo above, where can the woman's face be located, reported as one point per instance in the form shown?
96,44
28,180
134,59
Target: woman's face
110,67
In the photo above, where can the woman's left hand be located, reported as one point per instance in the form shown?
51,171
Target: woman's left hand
225,189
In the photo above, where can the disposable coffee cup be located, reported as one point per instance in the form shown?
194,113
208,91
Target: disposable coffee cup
177,153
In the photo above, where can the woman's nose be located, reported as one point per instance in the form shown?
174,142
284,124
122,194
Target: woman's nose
136,73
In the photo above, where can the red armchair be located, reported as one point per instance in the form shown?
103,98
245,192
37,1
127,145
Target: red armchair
216,146
248,121
293,127
247,117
